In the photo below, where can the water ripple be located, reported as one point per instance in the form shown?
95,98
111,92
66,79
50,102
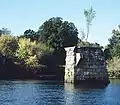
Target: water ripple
42,93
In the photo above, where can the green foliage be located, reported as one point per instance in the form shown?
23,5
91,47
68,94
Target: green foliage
88,44
58,33
114,44
5,31
83,43
27,52
24,48
29,34
0,32
31,51
8,45
43,49
112,52
113,67
107,54
32,62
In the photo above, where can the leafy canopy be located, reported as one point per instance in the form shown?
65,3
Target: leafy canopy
58,33
8,45
113,48
29,34
30,52
5,31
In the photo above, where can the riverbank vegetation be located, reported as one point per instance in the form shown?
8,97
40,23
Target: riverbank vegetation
37,53
41,52
112,52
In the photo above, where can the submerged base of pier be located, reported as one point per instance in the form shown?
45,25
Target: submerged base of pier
92,83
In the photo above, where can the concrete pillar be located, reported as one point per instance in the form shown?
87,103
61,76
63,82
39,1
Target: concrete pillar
70,65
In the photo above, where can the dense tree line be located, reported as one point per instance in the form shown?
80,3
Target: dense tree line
38,52
42,52
112,52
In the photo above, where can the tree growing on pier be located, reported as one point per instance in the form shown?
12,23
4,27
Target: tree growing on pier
89,16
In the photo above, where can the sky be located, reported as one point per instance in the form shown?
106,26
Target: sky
19,15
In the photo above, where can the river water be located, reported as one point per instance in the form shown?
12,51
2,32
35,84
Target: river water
54,93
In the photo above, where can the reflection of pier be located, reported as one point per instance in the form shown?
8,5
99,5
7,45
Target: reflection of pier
69,93
84,86
85,94
69,87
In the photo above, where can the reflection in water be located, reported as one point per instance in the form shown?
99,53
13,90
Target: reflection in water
83,94
69,87
53,93
115,81
69,93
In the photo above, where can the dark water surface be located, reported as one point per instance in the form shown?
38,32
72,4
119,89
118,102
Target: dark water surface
53,93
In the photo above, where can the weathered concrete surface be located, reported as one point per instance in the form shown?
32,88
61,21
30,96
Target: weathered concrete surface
85,63
70,65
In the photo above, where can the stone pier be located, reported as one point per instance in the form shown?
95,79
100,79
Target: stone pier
85,64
